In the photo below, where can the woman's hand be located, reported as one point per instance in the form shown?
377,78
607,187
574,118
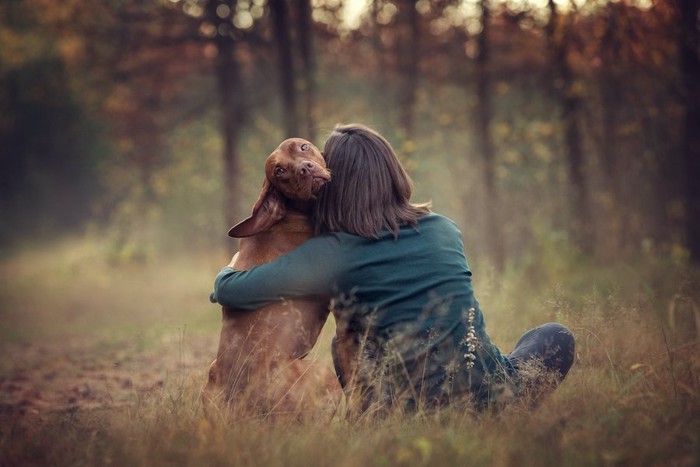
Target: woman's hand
233,260
213,297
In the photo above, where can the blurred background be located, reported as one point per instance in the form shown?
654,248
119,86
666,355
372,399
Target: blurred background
563,137
561,127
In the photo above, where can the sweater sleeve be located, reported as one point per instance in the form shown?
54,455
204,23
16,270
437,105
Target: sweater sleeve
312,269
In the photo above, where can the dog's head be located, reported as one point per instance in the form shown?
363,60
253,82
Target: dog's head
295,171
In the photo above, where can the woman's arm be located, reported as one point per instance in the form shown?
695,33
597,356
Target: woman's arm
311,269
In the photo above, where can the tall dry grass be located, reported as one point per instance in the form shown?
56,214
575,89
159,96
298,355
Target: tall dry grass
104,364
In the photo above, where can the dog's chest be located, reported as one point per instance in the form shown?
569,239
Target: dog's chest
269,245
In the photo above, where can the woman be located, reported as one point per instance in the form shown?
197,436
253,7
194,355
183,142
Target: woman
410,332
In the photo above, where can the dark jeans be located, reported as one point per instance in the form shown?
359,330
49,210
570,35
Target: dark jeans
549,347
542,358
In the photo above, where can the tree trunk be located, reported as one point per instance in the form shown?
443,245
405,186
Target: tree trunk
581,224
280,20
380,77
308,70
227,76
409,55
689,39
485,139
612,231
380,69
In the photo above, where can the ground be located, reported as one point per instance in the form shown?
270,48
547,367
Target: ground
78,374
103,363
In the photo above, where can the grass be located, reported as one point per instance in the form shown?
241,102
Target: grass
107,361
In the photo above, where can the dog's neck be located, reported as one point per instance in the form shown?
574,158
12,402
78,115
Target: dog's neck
296,218
302,207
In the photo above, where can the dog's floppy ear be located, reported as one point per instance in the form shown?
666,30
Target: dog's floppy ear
268,210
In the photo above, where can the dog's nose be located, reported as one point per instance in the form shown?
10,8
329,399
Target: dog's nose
307,167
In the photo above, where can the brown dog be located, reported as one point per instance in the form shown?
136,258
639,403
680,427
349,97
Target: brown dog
259,366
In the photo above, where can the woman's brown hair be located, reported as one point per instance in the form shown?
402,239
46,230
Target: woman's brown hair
370,190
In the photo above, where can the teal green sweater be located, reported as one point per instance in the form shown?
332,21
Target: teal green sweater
409,296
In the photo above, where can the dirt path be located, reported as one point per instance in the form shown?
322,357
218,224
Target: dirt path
78,374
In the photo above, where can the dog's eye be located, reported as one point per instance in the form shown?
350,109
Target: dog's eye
304,147
279,171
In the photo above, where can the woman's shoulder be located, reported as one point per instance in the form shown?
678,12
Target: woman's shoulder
437,220
334,241
429,223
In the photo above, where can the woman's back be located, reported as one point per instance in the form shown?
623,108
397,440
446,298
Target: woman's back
410,298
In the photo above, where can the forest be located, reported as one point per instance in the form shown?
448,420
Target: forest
520,119
562,136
